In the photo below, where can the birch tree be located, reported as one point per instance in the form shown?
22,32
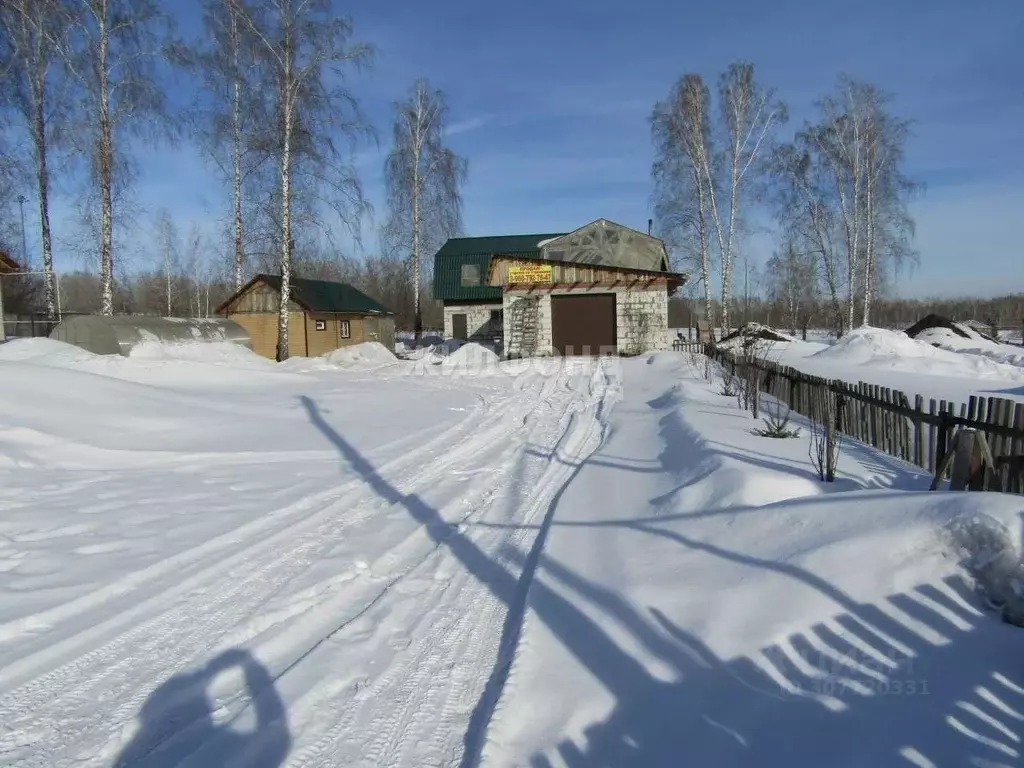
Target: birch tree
423,179
167,234
30,30
230,107
113,51
750,115
680,130
809,218
305,53
856,149
703,189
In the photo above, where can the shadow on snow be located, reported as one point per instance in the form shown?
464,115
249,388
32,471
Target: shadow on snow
850,690
180,726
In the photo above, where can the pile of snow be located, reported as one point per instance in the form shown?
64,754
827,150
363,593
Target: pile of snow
471,357
865,346
877,347
368,354
47,352
216,352
973,344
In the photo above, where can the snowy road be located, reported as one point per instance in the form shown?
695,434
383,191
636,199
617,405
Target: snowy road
342,563
573,563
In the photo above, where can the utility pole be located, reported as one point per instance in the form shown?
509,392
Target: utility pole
24,242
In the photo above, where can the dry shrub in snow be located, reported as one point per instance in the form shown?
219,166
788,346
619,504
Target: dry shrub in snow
826,439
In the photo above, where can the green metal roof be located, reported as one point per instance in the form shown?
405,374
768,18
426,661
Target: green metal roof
478,250
325,296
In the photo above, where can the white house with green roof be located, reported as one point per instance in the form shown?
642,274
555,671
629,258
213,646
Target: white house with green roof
600,289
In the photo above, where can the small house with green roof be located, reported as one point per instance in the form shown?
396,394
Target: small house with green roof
322,316
600,289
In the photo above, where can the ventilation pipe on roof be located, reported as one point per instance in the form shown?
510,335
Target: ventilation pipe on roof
650,225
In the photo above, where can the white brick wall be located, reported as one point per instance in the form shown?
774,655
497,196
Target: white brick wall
641,318
478,321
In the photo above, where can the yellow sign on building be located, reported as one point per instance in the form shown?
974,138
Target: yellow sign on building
529,273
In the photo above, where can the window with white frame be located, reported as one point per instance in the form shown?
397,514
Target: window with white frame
346,329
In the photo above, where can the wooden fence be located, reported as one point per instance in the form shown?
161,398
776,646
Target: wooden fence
914,431
25,326
688,345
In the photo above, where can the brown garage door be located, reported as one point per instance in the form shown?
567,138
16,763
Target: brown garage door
583,325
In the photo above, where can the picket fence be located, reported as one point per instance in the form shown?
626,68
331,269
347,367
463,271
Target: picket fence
915,431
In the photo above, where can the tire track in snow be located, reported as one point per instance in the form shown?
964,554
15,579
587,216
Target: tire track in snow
274,524
416,709
51,705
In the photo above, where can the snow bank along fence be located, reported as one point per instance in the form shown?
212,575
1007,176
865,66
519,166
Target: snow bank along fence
889,421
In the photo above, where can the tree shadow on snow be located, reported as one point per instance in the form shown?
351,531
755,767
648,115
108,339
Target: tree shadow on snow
180,726
917,679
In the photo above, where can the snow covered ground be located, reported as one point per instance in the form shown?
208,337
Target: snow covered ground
207,559
893,359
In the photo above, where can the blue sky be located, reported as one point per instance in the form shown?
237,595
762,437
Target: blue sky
550,100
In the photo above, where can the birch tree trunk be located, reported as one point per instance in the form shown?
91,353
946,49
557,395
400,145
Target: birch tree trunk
705,263
286,235
106,171
869,251
43,189
416,221
236,145
287,95
31,28
167,273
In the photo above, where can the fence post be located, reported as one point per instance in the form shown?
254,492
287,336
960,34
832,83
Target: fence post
840,405
942,438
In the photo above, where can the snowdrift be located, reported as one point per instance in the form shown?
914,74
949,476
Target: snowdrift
369,354
880,348
215,353
44,351
703,600
470,357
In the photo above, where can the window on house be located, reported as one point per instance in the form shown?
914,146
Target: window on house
321,325
470,275
497,316
346,329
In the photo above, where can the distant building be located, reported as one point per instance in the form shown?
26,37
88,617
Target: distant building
600,289
323,316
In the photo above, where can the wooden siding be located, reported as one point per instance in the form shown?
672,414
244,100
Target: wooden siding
329,339
262,330
260,297
569,274
303,337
